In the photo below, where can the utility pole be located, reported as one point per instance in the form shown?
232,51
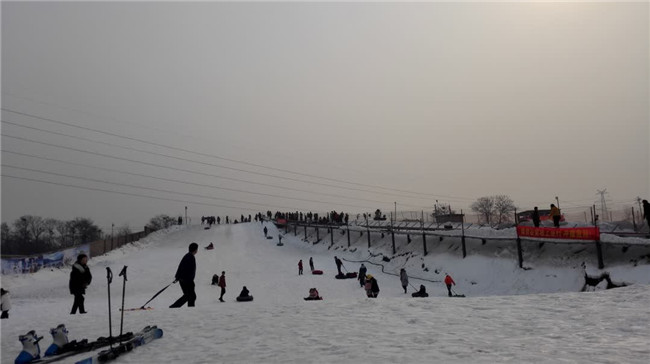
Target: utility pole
603,204
112,226
185,215
395,211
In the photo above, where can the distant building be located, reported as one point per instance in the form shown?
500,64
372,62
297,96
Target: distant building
453,217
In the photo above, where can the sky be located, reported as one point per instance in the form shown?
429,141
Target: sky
246,107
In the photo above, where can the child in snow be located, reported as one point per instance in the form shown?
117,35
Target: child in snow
421,293
300,267
372,287
313,295
362,275
404,278
449,281
5,303
244,292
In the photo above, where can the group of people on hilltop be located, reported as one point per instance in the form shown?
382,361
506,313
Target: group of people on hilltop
332,217
554,214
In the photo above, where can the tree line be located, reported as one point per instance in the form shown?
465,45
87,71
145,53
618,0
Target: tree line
31,234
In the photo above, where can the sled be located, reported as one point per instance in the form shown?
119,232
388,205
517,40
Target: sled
206,228
346,276
317,272
269,237
244,299
320,298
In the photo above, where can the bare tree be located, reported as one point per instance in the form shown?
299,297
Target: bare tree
485,207
504,206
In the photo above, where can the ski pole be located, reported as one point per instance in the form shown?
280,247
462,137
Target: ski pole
109,278
122,274
156,295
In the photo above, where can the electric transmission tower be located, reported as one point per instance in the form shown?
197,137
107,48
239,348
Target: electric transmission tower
603,204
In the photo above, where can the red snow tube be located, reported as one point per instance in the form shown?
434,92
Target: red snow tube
317,272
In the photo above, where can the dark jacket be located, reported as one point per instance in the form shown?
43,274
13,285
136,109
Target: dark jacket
375,286
646,210
187,268
244,292
362,272
80,278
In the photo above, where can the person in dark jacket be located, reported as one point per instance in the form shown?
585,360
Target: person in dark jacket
222,284
535,217
311,264
266,231
185,277
339,264
404,279
362,275
421,293
80,278
244,292
300,267
646,211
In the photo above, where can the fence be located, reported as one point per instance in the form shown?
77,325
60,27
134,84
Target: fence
60,258
432,236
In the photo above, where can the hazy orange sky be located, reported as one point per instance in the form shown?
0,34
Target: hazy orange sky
430,101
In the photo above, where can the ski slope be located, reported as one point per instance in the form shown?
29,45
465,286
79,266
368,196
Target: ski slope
504,318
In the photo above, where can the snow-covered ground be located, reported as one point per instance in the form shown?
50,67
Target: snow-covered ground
510,314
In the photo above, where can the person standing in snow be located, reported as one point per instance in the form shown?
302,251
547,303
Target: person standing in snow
80,278
646,211
222,284
404,278
362,275
311,264
185,277
372,287
5,303
449,281
535,217
300,267
339,264
266,231
555,215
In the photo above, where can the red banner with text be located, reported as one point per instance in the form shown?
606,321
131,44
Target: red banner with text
578,233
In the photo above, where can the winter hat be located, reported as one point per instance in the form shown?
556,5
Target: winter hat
369,276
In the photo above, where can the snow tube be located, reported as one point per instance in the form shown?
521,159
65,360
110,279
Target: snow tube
317,271
346,276
418,294
244,299
313,299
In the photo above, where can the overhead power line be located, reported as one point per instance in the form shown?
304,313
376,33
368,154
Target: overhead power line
229,159
167,191
161,166
186,182
125,193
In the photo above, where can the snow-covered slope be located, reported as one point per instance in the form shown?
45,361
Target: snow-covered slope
279,326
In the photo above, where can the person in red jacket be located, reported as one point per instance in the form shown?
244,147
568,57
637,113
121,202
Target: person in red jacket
449,281
300,267
222,284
